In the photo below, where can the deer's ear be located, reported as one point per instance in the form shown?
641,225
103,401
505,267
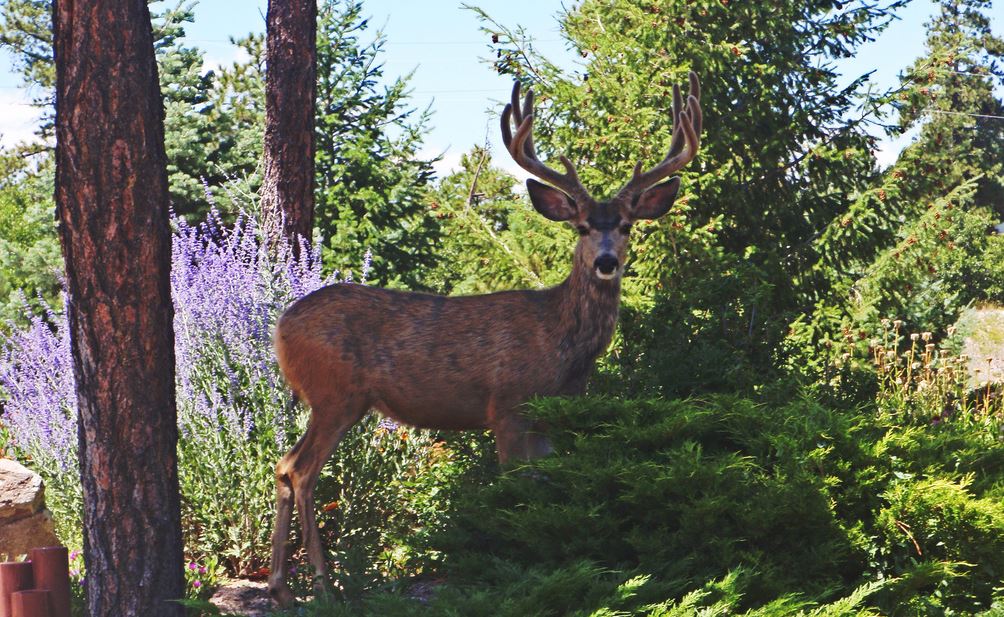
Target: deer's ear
551,202
656,201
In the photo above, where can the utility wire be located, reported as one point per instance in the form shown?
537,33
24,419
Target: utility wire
962,113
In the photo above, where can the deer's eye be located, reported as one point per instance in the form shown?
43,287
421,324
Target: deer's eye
583,230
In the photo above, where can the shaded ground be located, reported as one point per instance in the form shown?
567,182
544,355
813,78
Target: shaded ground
242,597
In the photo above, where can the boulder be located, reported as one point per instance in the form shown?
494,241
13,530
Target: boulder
24,522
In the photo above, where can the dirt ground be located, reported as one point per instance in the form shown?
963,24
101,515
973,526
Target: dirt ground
241,597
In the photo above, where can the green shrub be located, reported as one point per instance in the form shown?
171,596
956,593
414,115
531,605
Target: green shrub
787,509
386,488
677,490
941,521
584,589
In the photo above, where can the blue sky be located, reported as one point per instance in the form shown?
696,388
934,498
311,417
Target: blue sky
440,42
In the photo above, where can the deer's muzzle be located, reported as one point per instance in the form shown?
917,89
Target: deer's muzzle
606,266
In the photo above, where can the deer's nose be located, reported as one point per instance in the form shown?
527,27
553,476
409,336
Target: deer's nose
606,264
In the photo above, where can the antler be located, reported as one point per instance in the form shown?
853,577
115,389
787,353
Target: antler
683,147
520,146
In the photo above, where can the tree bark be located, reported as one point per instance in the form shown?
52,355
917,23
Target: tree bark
112,200
290,95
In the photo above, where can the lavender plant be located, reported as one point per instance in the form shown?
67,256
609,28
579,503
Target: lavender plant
228,287
38,406
234,415
36,371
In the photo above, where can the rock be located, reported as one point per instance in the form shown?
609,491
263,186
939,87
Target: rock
24,522
24,534
21,491
243,597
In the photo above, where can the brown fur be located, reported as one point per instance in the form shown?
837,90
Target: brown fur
433,362
459,362
436,362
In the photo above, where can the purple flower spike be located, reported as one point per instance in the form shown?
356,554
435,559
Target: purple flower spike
228,288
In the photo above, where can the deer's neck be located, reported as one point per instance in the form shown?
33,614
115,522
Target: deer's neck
588,309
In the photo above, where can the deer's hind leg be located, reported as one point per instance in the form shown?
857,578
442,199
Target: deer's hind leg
296,478
518,439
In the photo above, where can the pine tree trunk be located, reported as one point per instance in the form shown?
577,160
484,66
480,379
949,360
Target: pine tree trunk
112,200
290,94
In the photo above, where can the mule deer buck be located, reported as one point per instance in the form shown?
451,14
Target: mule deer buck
464,362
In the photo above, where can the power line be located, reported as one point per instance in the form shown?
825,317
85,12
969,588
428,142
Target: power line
962,113
390,43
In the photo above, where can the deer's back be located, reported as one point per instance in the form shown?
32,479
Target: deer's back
439,357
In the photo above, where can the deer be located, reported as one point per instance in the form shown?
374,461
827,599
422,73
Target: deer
465,362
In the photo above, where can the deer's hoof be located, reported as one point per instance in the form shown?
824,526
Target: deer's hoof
323,590
282,595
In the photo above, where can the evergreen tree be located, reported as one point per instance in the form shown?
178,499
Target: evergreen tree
783,153
371,188
238,98
371,183
913,245
490,238
26,32
200,139
30,263
949,93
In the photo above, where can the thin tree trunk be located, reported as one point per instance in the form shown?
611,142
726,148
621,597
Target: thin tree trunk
112,200
290,94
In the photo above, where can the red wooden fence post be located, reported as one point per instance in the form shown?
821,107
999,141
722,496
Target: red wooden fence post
51,567
31,603
14,576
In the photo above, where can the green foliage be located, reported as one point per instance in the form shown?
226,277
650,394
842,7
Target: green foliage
782,155
239,97
956,77
385,490
913,246
578,589
677,507
938,262
941,521
933,269
205,143
371,184
26,32
63,497
226,477
29,251
685,492
204,146
492,238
